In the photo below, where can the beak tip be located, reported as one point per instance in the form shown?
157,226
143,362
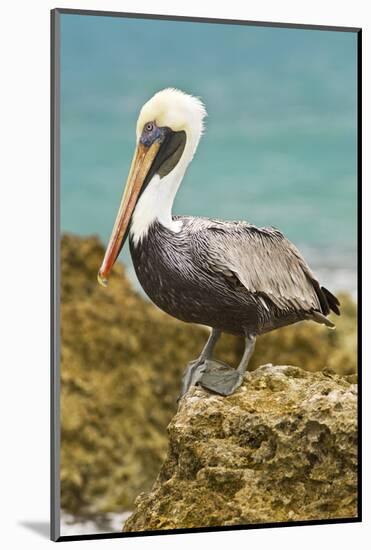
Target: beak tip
103,281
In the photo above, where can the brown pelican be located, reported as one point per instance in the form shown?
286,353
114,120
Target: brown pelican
229,275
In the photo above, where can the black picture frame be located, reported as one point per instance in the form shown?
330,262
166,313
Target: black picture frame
55,268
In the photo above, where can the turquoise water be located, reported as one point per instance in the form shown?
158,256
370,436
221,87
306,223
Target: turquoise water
280,143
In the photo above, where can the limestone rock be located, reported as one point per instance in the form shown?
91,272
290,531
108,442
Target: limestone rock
283,447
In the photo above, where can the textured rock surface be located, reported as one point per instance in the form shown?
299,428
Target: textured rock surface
122,361
284,447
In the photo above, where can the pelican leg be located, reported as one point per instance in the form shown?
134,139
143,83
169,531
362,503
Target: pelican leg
222,379
195,368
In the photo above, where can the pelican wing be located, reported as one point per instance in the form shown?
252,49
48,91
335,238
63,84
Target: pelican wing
264,262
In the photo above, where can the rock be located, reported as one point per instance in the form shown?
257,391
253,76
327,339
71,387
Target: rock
121,365
283,447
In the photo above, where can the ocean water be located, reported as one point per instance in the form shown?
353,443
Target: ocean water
280,141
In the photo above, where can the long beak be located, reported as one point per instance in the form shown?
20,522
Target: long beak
140,166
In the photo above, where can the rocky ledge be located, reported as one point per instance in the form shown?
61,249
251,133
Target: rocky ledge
282,448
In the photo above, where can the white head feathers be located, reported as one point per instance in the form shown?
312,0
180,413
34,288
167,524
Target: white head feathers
176,110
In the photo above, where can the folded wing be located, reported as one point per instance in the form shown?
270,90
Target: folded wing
267,265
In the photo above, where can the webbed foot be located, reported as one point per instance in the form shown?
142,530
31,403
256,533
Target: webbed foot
212,375
219,378
191,376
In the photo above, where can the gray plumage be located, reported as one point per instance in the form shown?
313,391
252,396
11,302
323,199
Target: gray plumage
231,276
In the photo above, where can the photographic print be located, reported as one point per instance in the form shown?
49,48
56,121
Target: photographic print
204,282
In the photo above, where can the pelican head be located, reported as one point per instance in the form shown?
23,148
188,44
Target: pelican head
168,131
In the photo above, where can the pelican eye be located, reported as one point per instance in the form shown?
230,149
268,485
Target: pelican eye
149,127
